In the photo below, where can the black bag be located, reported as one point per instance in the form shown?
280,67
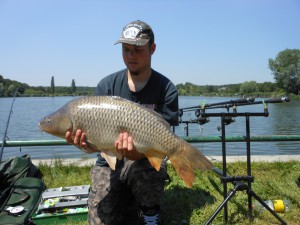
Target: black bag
21,189
22,201
13,169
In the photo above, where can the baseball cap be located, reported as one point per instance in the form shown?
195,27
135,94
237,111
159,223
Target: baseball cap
136,33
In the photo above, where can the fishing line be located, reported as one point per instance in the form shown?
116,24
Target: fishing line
8,119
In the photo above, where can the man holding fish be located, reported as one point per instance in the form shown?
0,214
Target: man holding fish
124,190
128,121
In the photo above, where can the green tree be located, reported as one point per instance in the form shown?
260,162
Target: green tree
233,88
248,87
73,87
11,90
266,87
210,88
2,90
286,70
52,86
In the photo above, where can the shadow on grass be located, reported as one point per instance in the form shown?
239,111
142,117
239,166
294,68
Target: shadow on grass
180,202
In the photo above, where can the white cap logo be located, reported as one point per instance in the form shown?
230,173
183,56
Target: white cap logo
131,32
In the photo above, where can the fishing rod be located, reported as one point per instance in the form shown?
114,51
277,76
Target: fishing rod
201,117
235,103
8,119
266,101
220,104
201,108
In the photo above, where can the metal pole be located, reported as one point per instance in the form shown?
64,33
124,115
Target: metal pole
248,164
191,139
224,168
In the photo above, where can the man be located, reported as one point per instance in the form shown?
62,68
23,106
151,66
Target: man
117,195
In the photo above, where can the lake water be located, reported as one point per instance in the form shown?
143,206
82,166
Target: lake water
283,120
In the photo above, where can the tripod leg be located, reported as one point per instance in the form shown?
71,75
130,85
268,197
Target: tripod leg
230,195
252,193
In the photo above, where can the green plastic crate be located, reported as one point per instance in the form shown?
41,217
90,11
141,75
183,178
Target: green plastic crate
61,218
62,205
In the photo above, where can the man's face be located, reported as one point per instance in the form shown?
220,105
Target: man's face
137,58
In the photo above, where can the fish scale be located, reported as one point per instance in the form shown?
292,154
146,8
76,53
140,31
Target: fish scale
102,118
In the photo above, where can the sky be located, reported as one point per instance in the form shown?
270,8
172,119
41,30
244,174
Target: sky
204,42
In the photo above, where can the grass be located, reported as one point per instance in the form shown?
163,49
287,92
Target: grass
195,206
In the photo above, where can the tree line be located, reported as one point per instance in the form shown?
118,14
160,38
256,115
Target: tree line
248,88
8,87
285,68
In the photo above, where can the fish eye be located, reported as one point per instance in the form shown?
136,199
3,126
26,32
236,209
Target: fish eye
48,120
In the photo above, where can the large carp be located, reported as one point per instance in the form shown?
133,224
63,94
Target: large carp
102,118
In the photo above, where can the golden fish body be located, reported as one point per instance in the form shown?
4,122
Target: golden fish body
102,118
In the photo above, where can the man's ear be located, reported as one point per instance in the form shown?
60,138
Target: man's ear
152,48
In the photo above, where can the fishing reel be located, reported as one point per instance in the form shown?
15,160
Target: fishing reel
200,119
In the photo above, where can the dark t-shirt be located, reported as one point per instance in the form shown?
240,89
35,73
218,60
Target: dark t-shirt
159,94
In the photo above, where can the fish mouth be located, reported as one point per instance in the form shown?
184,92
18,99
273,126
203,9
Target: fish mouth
39,124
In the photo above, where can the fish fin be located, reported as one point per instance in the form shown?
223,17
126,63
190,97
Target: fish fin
110,158
116,153
186,160
155,158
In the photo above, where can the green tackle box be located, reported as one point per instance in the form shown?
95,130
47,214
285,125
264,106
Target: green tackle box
62,205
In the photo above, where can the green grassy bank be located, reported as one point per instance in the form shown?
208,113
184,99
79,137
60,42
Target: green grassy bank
276,180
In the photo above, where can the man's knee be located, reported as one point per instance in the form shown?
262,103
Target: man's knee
146,183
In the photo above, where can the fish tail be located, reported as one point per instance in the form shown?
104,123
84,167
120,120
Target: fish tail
186,160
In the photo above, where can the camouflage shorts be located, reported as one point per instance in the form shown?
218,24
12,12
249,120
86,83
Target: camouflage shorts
116,195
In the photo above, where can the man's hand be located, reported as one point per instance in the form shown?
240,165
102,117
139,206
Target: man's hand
80,141
124,145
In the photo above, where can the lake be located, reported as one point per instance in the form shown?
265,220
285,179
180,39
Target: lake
283,120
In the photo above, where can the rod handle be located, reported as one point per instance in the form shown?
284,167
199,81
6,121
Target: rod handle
277,100
244,100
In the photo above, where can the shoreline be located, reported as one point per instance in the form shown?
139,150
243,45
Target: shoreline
229,159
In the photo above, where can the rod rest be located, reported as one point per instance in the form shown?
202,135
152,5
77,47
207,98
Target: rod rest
232,179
